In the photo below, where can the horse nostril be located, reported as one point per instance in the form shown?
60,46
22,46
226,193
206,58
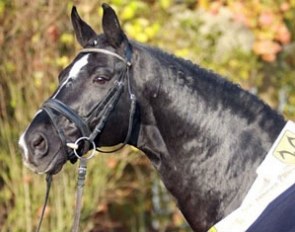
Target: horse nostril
37,141
39,144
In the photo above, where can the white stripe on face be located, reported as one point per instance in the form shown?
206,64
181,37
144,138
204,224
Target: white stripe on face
74,72
23,145
22,142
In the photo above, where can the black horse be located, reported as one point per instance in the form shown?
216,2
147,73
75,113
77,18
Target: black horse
203,134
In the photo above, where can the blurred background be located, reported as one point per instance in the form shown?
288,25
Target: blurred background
249,42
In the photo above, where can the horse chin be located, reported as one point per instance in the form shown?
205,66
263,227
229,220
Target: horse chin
52,168
56,165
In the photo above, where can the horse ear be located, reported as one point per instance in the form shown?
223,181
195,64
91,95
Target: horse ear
111,26
82,30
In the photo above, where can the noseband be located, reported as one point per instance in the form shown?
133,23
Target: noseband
54,107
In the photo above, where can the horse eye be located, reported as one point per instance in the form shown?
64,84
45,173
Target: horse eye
100,80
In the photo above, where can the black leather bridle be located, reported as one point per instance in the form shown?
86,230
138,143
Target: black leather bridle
54,108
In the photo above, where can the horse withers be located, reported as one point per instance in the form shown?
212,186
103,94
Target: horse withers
204,135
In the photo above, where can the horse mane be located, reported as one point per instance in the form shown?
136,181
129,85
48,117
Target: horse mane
206,82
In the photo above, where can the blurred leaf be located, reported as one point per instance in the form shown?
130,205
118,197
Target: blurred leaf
129,11
67,38
165,4
62,61
38,76
9,67
2,7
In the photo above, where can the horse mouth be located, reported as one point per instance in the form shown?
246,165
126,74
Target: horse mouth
52,168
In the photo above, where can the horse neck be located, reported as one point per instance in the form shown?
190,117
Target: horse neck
185,102
204,135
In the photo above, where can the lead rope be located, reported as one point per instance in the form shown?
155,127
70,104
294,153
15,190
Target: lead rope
48,185
80,185
81,180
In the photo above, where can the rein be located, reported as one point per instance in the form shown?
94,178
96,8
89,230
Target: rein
54,108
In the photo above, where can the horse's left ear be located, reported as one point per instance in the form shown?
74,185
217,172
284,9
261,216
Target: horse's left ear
82,30
111,27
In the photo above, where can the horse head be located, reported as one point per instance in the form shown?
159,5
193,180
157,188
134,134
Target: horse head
95,82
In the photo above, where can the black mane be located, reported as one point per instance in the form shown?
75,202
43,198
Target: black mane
203,81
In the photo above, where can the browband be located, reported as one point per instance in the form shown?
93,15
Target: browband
107,52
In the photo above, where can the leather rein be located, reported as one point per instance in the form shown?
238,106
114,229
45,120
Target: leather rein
54,108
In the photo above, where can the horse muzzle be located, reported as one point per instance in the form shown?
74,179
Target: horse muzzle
41,148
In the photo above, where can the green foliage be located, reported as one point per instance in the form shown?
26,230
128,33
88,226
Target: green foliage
122,191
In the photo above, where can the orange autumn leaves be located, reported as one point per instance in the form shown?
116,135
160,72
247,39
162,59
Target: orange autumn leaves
271,36
268,25
266,21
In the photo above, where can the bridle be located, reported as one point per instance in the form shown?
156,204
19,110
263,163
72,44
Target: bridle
55,108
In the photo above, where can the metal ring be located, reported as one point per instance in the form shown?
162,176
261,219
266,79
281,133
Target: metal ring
93,146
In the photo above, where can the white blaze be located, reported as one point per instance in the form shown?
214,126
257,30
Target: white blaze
74,72
22,144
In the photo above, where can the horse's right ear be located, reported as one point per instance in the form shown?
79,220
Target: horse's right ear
82,30
111,27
